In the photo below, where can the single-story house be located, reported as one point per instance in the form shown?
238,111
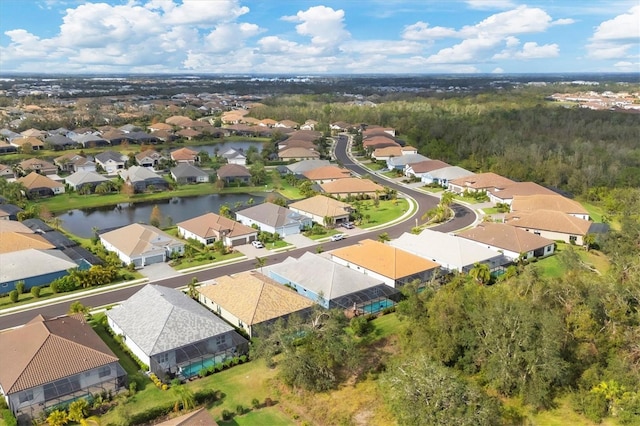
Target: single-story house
375,142
142,178
38,185
399,163
297,154
173,334
33,266
188,173
90,140
59,141
141,244
326,174
71,162
551,224
149,158
83,179
234,157
505,195
332,285
300,167
35,143
513,242
15,239
393,266
6,172
319,207
231,173
288,124
352,187
251,301
479,182
185,155
210,227
9,211
444,175
417,170
450,252
556,202
39,165
111,161
383,154
53,362
273,218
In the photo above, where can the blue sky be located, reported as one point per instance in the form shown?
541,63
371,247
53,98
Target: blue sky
319,37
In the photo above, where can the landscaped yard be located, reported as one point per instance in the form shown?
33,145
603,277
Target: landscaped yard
205,259
552,266
387,211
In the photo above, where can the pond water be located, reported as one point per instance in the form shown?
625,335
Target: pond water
82,222
241,146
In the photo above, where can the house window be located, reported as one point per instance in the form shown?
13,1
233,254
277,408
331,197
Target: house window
26,396
221,340
536,232
573,239
104,371
163,358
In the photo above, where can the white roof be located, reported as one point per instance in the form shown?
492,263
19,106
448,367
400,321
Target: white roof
23,264
450,173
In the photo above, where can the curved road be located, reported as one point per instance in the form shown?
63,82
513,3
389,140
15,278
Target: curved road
463,218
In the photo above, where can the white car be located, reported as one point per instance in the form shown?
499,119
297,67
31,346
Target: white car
257,244
337,237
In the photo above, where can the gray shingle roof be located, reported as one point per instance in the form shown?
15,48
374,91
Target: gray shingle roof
158,319
187,170
273,215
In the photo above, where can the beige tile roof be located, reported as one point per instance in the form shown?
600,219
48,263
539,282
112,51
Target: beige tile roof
254,298
138,238
386,260
351,185
179,120
483,181
305,135
520,189
327,172
321,205
233,170
14,226
160,126
379,141
17,241
298,152
428,166
35,142
34,180
388,151
213,225
506,237
549,220
547,202
184,154
37,163
47,350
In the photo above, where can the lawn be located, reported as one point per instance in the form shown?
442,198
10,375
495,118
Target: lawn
552,267
277,245
375,166
203,259
432,189
387,325
387,211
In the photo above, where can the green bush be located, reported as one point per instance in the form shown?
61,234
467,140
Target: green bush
255,403
226,415
9,418
35,292
14,296
361,326
205,396
20,287
151,414
239,409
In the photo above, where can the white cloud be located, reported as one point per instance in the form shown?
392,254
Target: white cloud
323,24
490,4
382,47
617,38
564,21
421,31
468,51
530,50
626,66
229,37
521,20
497,71
205,12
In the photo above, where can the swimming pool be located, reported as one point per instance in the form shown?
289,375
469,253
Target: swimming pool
377,306
193,369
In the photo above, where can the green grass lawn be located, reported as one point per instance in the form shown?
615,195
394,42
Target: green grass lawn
375,166
491,210
277,245
203,259
126,361
552,267
432,189
387,325
387,211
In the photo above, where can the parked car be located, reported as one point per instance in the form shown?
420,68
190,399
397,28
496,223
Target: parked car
348,225
337,237
257,244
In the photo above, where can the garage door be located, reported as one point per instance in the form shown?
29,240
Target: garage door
154,259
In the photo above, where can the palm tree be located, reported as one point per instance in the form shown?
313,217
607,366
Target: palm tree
192,286
384,237
481,273
185,396
260,262
588,241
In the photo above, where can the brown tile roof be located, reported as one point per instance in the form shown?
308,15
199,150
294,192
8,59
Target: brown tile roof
184,154
388,151
327,172
520,189
428,166
233,170
483,181
306,135
139,238
298,143
296,152
14,226
37,164
386,260
43,351
505,237
30,139
16,241
268,122
160,126
212,225
189,133
549,220
322,206
351,186
34,180
178,120
254,298
547,202
379,142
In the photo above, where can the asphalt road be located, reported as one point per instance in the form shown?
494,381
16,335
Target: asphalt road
463,218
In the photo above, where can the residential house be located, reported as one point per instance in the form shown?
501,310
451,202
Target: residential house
185,155
53,362
251,301
479,182
393,266
417,170
309,125
326,174
38,185
506,194
9,211
160,127
401,162
178,120
233,173
444,175
149,158
297,143
139,137
453,254
6,148
141,244
332,285
6,172
553,201
142,178
38,165
352,187
513,242
234,157
188,173
321,208
35,267
372,130
300,167
111,161
372,143
33,142
267,122
383,154
91,140
288,124
273,218
15,236
72,162
85,181
297,154
114,136
551,224
189,134
210,227
173,334
341,126
59,141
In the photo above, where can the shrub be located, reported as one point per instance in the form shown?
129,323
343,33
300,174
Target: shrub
151,414
35,292
255,403
20,287
9,418
165,387
133,387
268,402
226,415
243,359
206,396
204,372
14,296
361,326
239,409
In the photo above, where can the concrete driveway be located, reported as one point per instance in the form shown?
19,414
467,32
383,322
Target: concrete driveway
158,271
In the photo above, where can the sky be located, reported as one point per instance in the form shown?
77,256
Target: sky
304,37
